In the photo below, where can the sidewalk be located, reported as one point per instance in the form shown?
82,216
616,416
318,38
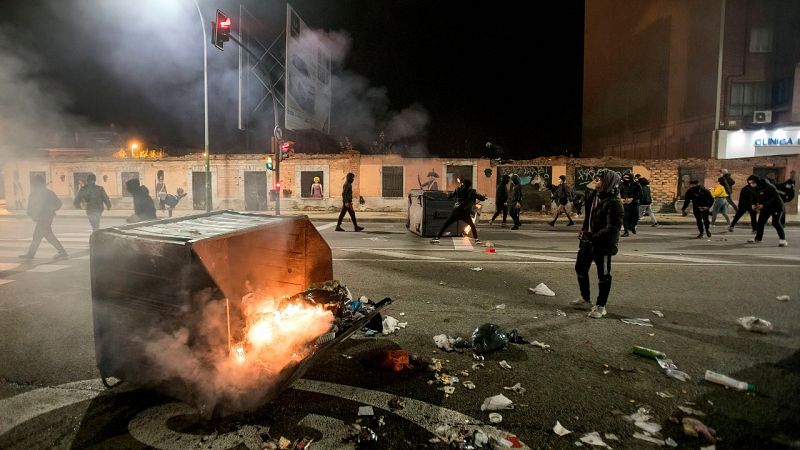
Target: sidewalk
390,216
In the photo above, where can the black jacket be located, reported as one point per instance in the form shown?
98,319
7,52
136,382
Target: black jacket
502,193
604,223
465,198
747,197
767,196
43,204
516,194
699,196
631,189
347,192
727,182
647,197
94,196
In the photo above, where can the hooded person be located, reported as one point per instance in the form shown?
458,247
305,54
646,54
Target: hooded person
769,204
646,203
747,199
95,198
42,206
515,202
701,204
598,240
563,195
347,203
501,199
462,209
631,193
143,206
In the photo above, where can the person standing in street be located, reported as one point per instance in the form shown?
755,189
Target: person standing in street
347,203
720,205
501,200
598,240
631,193
516,201
42,206
786,190
646,202
701,203
747,199
728,182
95,199
563,196
769,205
462,210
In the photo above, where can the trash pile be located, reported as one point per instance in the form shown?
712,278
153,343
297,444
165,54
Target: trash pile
487,338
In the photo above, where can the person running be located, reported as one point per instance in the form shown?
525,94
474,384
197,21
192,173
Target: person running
563,196
501,200
95,198
347,204
769,205
646,205
516,201
599,237
727,183
42,206
720,205
631,193
701,202
462,210
747,199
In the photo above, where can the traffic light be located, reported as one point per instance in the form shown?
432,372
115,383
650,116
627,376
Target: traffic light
287,149
221,30
269,164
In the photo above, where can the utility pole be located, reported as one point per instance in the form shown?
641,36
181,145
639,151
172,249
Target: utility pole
205,108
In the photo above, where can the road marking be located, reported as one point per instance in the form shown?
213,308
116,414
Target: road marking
8,266
462,244
2,282
45,268
785,257
326,226
679,258
397,254
495,261
543,257
83,257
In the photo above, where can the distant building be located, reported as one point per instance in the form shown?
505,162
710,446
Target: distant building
658,84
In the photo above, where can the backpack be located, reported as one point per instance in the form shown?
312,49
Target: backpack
646,199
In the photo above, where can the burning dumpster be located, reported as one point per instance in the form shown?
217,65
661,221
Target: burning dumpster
428,211
222,310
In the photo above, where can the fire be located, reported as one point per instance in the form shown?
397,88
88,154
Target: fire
279,331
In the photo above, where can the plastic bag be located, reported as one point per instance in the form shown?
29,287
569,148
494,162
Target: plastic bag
488,338
755,324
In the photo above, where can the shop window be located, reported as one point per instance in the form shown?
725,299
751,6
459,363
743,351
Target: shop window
392,185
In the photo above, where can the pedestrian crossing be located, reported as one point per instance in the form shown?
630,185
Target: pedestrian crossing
12,267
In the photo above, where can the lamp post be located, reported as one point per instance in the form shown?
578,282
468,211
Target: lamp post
205,108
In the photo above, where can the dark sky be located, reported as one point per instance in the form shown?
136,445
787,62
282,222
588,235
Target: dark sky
496,73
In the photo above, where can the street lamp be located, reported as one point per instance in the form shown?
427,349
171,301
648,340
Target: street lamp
205,107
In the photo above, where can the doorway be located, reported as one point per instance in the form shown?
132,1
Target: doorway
255,191
199,191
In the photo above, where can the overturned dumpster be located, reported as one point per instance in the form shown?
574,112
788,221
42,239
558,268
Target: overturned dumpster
429,210
221,310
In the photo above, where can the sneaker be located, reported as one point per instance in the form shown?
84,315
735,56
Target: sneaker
580,303
60,256
782,243
708,233
26,256
730,229
753,241
597,312
699,236
625,234
477,241
358,228
633,230
435,241
338,228
504,225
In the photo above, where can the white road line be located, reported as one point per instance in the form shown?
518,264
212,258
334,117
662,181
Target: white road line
326,226
8,266
678,258
2,282
537,256
45,268
462,244
83,257
397,254
784,257
486,261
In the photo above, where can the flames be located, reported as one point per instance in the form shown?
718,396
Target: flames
279,331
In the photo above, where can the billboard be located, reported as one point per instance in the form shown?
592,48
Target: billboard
308,77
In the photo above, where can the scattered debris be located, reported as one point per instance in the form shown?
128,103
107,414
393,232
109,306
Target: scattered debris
495,418
729,382
441,283
477,269
488,338
390,325
346,356
671,370
783,298
560,313
497,403
657,313
541,345
691,411
500,306
469,385
360,434
395,360
593,438
397,403
509,441
648,352
670,442
444,342
478,365
648,438
640,322
650,427
641,415
435,365
560,430
542,289
664,395
365,411
515,338
489,250
611,437
516,388
505,365
754,324
449,390
693,427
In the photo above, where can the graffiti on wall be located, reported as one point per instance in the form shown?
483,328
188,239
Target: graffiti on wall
585,174
536,184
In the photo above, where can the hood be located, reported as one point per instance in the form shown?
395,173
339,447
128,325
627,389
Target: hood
610,181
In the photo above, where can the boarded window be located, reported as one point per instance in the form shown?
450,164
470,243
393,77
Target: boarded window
392,182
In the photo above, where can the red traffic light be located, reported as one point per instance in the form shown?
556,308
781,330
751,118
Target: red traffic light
221,30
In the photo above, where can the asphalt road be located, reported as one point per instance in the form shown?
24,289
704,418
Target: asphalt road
50,395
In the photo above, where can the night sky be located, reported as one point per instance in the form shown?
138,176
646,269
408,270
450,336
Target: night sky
482,73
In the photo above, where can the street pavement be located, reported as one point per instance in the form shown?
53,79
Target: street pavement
588,379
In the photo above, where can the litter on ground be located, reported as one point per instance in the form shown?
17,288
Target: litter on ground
560,430
593,438
754,324
496,403
640,322
542,289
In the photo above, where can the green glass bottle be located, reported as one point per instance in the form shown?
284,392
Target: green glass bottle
648,353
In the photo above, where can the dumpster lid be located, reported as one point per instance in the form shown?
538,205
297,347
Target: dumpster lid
198,227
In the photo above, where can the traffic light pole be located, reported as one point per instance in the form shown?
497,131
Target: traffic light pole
205,108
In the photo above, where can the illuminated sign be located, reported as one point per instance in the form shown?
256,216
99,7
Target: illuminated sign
774,141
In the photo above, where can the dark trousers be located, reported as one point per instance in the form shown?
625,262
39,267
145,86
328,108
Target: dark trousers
586,256
730,202
456,215
740,212
763,217
500,208
631,216
702,219
515,216
44,230
347,208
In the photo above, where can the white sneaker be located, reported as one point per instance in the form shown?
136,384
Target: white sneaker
580,303
753,241
597,312
435,241
782,243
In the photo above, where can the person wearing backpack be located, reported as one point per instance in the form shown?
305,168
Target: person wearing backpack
563,196
95,198
702,201
42,206
646,204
